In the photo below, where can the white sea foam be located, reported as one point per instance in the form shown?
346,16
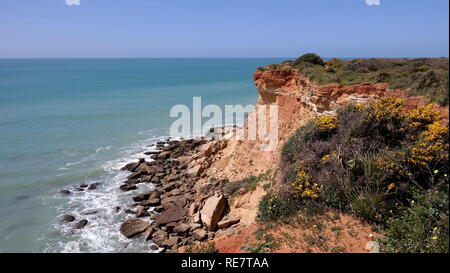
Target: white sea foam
102,234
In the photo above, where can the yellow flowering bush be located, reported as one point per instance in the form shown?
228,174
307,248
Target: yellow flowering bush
303,184
328,156
432,146
422,116
326,123
385,108
391,163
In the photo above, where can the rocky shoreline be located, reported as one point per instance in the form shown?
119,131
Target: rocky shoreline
178,211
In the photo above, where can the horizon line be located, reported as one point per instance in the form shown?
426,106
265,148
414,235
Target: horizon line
288,58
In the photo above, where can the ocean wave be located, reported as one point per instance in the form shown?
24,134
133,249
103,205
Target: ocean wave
99,208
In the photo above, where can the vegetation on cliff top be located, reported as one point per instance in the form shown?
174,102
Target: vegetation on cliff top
425,76
381,162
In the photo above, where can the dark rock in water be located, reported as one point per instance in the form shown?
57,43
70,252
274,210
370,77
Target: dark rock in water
129,211
117,209
141,160
128,187
65,192
68,218
83,185
90,212
22,197
131,166
80,189
93,186
136,175
81,224
154,247
141,197
133,227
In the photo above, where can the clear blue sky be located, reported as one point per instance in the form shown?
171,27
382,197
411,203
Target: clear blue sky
223,28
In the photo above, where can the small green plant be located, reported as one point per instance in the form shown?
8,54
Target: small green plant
272,207
366,202
246,184
265,243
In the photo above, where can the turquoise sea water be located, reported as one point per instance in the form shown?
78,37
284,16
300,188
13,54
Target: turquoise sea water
64,122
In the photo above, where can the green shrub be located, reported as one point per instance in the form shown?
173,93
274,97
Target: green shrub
273,207
367,159
423,226
309,58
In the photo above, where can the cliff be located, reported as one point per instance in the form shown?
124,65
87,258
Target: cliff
210,190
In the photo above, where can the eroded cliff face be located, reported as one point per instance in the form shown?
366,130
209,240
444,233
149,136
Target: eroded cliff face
298,100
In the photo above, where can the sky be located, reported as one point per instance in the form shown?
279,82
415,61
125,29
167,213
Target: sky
223,28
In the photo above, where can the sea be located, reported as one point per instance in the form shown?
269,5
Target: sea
66,122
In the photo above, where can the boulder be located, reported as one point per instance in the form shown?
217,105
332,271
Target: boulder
158,208
194,171
182,228
212,210
93,186
133,227
141,197
171,214
200,234
148,233
148,169
169,186
176,192
155,194
164,155
171,241
146,178
141,211
177,200
65,192
154,247
128,187
228,221
193,208
159,236
68,218
131,166
136,175
150,202
80,224
194,226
